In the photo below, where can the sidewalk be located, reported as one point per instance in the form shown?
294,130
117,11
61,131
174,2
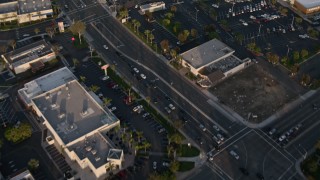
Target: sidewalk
199,161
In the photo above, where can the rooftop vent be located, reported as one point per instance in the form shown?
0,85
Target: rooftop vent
83,113
53,105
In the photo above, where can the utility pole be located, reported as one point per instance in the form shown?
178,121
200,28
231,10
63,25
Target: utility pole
259,30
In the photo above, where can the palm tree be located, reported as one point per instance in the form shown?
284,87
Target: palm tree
123,13
75,62
173,53
83,78
148,99
33,164
147,32
50,31
146,145
79,28
136,148
36,30
110,166
94,88
170,149
174,166
134,21
151,37
177,124
139,135
12,43
138,24
106,101
3,48
131,141
117,129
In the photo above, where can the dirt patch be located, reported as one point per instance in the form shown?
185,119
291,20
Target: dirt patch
253,93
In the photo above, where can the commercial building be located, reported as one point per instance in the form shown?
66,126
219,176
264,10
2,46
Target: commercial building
152,7
32,56
25,10
307,6
21,174
73,121
212,61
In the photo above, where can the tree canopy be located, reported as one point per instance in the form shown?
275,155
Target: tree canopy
18,133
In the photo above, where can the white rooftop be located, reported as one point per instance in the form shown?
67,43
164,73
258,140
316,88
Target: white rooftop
45,83
206,53
309,3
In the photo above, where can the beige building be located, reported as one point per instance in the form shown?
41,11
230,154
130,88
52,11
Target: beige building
152,7
73,121
32,56
213,61
25,10
307,6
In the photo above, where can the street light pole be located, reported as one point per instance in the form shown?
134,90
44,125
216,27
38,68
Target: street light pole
292,20
197,10
288,51
259,30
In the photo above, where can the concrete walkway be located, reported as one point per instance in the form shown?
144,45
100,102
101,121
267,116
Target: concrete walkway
198,162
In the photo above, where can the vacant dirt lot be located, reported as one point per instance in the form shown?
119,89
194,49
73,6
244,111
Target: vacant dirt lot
253,93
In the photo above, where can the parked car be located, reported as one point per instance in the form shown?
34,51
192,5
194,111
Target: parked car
145,115
220,137
135,70
104,78
113,108
234,154
135,109
172,107
215,127
154,165
216,139
168,110
202,127
105,47
143,76
272,131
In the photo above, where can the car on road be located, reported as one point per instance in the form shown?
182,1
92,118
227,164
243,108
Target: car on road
202,127
161,130
220,137
105,47
234,154
154,165
143,76
168,110
172,107
215,127
26,35
66,6
135,70
210,156
216,139
272,131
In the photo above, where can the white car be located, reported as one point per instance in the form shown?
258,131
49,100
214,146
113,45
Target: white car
143,76
172,107
26,35
168,110
234,154
202,127
165,164
104,78
136,70
113,108
154,165
135,109
215,5
281,138
245,24
105,46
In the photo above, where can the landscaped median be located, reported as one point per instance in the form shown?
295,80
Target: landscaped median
188,151
185,166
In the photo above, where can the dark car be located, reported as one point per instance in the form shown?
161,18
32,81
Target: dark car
260,176
244,171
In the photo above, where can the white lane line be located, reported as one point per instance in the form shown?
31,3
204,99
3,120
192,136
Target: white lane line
108,31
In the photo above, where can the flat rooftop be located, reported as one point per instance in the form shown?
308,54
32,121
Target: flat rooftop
28,53
27,6
226,64
7,7
45,83
206,53
95,148
309,3
72,112
150,5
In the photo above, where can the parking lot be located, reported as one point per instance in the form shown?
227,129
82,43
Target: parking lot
253,93
247,159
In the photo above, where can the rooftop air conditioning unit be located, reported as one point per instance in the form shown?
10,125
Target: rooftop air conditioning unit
84,112
62,115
